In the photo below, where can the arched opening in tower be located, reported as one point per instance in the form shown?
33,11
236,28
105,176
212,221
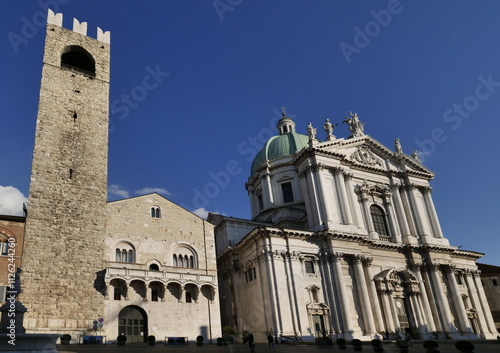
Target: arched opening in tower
78,59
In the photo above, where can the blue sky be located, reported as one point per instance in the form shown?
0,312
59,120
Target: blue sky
426,72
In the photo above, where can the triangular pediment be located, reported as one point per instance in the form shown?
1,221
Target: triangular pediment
367,153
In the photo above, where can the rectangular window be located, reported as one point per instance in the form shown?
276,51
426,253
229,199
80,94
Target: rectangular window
188,297
117,294
287,192
261,203
494,282
250,275
309,266
154,295
459,279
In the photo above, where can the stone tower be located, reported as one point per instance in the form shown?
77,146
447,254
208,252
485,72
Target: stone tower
63,260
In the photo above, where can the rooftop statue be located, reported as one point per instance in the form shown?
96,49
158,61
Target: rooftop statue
416,156
356,127
311,131
397,147
328,127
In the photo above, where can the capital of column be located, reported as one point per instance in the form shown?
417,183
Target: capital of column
395,186
426,189
367,261
357,259
317,166
348,176
433,266
337,256
416,266
337,170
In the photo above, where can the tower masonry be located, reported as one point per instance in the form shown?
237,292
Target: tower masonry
63,261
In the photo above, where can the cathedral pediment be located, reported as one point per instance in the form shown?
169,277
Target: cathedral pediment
366,153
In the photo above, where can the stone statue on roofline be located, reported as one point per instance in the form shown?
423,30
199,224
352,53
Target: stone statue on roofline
397,147
328,127
356,127
311,131
416,156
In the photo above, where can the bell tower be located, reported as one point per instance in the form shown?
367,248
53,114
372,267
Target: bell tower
64,239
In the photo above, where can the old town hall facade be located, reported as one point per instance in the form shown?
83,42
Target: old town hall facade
343,241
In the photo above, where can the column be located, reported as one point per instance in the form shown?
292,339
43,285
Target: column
407,211
326,276
353,201
377,313
165,291
322,199
436,227
341,290
110,291
267,190
484,303
384,294
419,215
287,258
396,234
417,311
442,301
400,212
344,202
476,304
457,301
427,313
366,309
182,292
363,196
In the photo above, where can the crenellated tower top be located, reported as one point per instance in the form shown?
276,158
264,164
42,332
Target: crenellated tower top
78,27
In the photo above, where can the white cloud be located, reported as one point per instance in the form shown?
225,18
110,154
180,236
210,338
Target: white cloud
149,190
11,201
116,190
201,212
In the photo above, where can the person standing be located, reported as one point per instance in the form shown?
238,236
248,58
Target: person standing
270,340
251,343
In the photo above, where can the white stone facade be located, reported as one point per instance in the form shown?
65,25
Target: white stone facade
351,247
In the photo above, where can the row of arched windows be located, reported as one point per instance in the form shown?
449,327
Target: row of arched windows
183,261
122,255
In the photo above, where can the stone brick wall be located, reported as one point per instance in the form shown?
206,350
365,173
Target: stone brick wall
64,241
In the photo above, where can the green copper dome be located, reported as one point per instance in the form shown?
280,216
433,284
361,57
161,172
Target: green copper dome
280,146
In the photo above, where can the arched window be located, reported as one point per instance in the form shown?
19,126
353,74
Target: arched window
185,257
379,220
78,59
125,252
155,212
154,267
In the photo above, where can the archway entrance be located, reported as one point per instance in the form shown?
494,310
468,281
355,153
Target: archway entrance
132,322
